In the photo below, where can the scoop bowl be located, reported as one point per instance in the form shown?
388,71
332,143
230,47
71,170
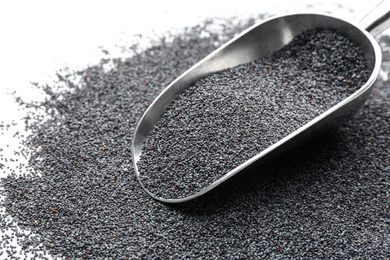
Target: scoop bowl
258,41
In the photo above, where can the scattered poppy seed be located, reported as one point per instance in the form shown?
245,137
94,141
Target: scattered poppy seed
249,218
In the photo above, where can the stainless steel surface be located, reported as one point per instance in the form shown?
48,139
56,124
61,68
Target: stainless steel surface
258,41
377,20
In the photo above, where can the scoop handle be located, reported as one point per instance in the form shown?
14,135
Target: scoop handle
378,19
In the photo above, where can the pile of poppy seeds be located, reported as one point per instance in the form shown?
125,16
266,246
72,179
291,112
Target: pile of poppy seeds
227,118
79,197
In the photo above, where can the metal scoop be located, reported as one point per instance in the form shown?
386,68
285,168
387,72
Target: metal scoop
260,40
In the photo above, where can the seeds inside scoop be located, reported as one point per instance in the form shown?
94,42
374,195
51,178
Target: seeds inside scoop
223,120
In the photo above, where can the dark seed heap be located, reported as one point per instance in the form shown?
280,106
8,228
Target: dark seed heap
225,119
328,200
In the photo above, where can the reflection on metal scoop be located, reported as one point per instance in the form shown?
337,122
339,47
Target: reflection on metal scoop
258,41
